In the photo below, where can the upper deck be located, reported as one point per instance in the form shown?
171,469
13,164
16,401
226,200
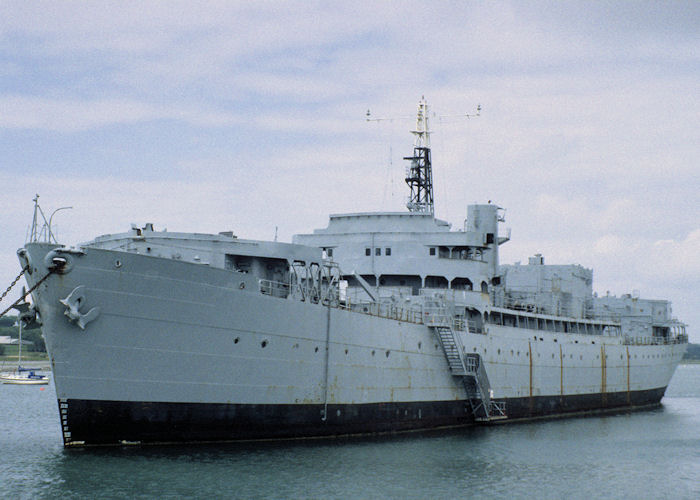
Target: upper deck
414,249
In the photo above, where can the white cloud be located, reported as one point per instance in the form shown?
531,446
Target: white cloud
589,132
676,261
609,245
62,115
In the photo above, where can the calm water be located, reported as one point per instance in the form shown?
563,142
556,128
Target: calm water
654,454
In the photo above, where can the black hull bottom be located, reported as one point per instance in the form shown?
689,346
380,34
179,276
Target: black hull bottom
91,422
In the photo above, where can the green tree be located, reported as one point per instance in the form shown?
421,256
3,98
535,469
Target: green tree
36,337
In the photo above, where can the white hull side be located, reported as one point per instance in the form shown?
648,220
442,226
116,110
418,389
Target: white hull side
200,338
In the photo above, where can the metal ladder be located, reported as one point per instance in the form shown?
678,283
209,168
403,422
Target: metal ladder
484,408
449,346
473,374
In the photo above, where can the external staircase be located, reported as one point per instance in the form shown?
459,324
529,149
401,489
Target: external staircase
469,368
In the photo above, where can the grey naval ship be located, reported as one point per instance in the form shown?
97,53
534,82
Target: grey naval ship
379,322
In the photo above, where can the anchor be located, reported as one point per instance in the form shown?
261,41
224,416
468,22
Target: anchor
73,302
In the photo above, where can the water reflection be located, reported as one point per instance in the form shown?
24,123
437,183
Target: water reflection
645,454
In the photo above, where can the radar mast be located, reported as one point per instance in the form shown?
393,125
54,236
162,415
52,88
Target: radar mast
419,175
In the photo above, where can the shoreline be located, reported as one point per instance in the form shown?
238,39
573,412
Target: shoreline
7,365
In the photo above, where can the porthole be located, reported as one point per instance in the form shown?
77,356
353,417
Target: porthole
373,353
419,345
346,352
263,344
236,340
499,351
316,349
387,353
117,263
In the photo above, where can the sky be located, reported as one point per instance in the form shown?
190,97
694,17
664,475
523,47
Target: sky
250,117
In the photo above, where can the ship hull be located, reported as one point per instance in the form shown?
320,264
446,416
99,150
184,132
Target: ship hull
117,422
172,351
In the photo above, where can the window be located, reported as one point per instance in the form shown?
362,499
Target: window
377,251
387,251
330,252
368,252
432,250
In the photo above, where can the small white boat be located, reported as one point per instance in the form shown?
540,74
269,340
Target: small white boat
24,376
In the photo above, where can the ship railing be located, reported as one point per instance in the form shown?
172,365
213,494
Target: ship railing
654,340
313,294
429,315
383,310
436,316
454,295
274,288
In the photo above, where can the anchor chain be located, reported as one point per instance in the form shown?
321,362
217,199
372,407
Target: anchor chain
24,270
24,295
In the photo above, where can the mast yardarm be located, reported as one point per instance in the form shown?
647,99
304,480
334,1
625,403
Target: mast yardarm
419,175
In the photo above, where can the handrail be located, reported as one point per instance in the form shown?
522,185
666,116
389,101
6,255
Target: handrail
433,316
647,340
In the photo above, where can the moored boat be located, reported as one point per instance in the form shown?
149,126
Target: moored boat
22,376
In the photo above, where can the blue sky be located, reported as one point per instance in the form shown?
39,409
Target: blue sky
212,116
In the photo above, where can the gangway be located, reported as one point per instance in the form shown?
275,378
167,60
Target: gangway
468,367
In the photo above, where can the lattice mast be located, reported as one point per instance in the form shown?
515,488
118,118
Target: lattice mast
419,175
